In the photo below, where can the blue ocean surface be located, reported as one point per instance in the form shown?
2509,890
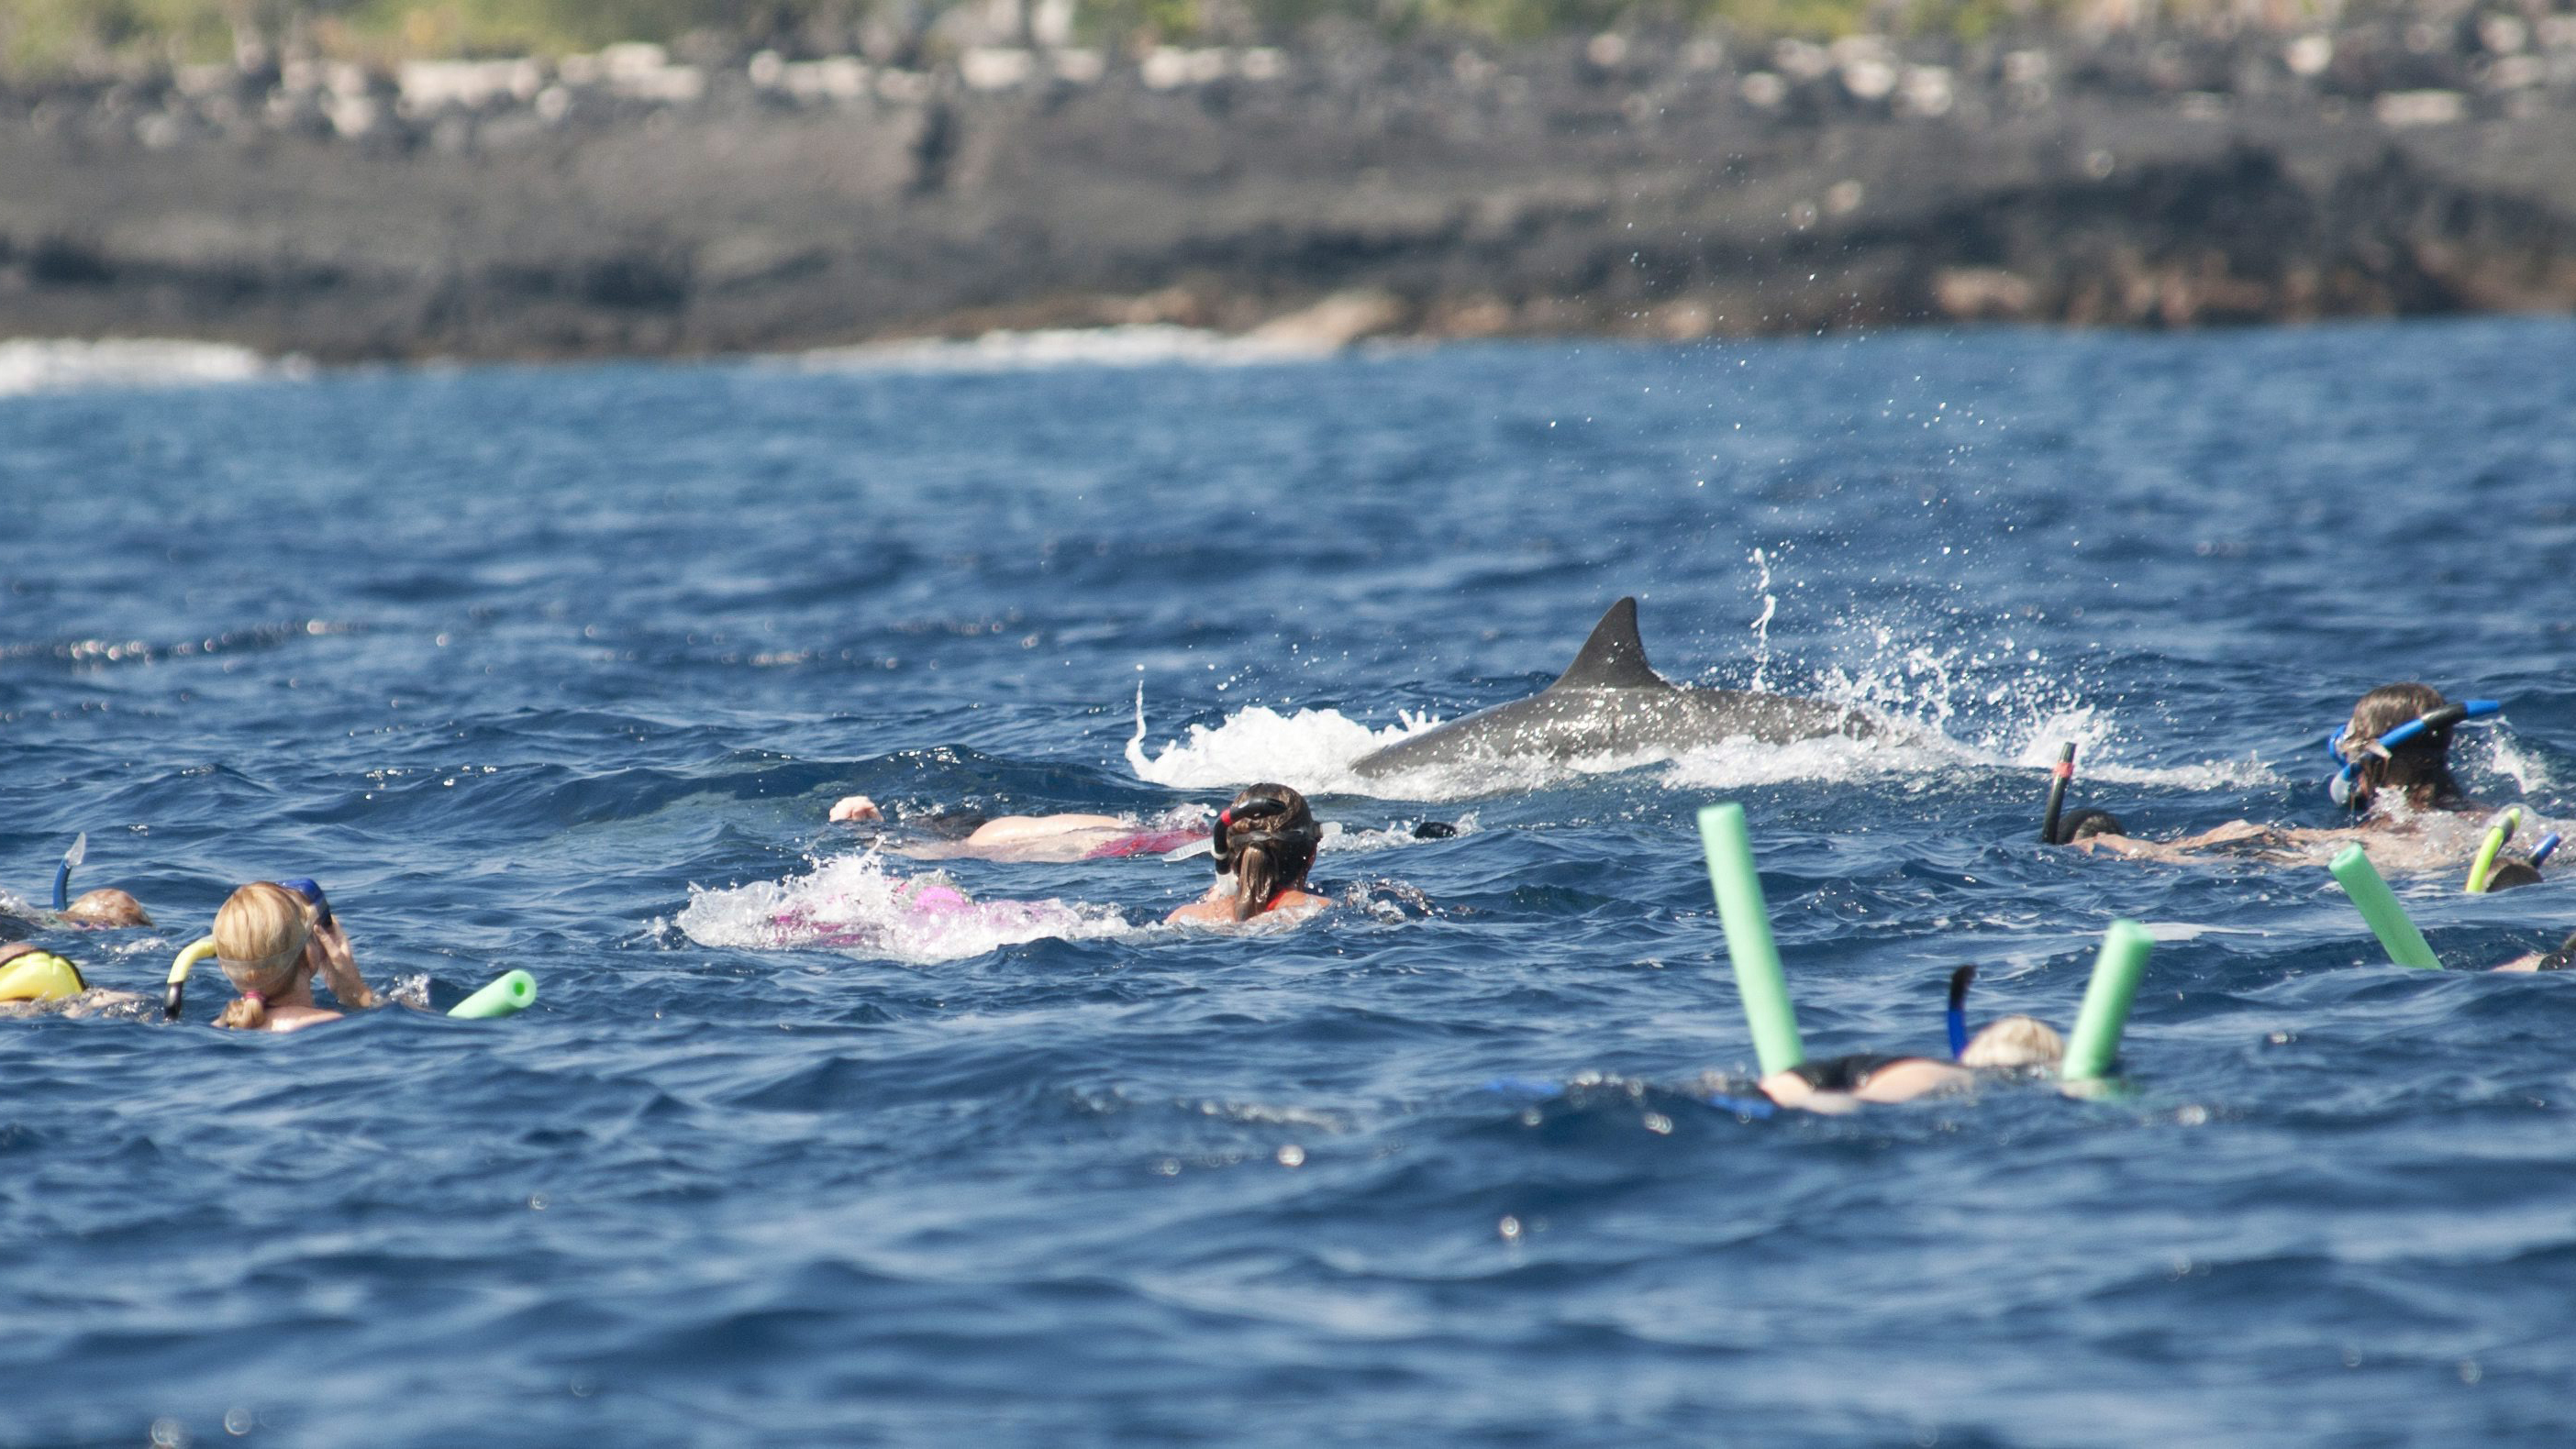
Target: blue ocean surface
561,668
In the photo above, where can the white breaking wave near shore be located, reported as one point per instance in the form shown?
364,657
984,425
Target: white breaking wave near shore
37,365
1140,345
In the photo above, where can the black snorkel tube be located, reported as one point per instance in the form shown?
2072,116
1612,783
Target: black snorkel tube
2063,772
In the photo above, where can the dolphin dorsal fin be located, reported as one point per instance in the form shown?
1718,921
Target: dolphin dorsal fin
1614,657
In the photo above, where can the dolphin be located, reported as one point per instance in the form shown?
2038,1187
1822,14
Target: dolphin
1609,701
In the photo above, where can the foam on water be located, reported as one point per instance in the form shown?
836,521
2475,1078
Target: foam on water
854,903
31,365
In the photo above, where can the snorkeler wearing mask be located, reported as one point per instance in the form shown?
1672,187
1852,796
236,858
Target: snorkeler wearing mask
1265,843
1842,1084
2392,772
271,941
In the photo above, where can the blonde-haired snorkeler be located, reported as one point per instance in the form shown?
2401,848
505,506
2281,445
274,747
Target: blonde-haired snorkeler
1840,1084
271,941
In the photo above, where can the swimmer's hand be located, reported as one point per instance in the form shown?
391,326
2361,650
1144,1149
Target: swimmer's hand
855,807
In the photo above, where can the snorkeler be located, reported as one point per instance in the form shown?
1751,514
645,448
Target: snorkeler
1841,1084
1055,838
271,941
105,909
30,974
1264,844
35,981
2392,770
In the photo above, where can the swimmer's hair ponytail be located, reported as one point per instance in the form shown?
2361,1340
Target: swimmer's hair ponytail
1266,840
245,1013
260,937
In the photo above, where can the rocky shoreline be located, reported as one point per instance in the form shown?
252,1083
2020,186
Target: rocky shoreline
630,204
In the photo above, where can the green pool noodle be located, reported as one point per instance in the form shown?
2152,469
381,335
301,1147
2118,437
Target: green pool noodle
2378,906
2488,849
1748,939
2106,1001
509,994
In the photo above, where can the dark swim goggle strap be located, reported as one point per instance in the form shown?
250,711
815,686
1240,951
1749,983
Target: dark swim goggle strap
2348,770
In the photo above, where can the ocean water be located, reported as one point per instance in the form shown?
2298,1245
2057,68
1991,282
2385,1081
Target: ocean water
561,668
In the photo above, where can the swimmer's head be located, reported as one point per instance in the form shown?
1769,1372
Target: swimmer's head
2085,824
2014,1041
260,935
1266,840
2510,873
2419,768
106,910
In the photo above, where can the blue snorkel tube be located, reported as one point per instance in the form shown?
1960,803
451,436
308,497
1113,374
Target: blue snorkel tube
1957,1015
63,872
2349,770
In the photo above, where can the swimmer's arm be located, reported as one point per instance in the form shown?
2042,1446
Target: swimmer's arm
303,1017
338,964
2124,845
2228,834
2520,963
1788,1089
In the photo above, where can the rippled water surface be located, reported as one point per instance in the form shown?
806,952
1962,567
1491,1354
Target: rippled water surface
561,669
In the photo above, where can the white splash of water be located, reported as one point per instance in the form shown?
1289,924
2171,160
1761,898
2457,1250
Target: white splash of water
2508,757
854,903
33,365
1311,750
1762,622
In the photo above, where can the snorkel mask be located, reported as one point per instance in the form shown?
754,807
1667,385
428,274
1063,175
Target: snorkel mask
304,886
2348,764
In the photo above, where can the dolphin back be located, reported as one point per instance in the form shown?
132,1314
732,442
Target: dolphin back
1610,701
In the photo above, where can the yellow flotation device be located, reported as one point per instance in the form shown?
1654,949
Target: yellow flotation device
40,976
189,955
